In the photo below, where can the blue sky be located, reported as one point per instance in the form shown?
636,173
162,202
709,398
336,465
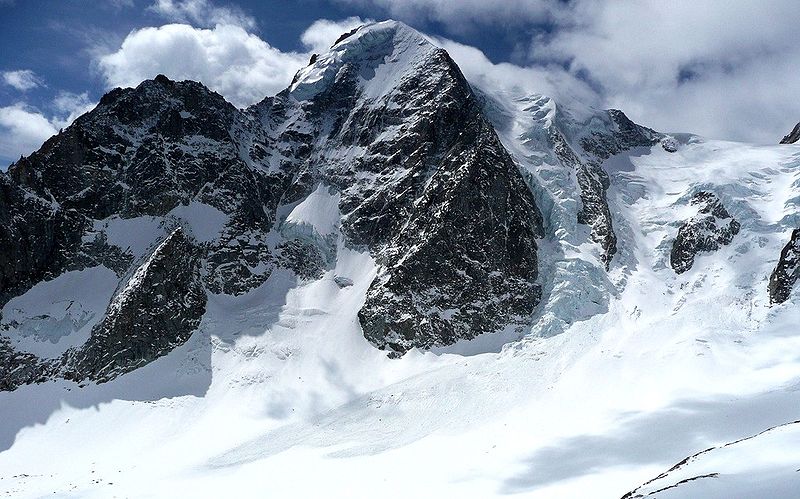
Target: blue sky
728,71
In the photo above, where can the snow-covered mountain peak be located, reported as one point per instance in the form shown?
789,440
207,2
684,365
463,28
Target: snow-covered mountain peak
380,52
239,278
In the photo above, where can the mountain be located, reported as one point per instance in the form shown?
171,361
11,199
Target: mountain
443,208
382,267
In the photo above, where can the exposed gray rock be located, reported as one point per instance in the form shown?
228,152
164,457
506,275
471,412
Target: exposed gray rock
669,144
622,135
343,282
145,151
786,273
97,251
594,212
423,181
466,264
156,310
712,228
302,257
792,136
37,240
434,196
21,368
583,146
430,192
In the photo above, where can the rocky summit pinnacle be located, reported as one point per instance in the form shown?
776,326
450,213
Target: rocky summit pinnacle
425,184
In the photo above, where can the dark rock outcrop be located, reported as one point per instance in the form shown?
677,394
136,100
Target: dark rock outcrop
786,273
140,152
37,240
430,191
594,212
466,263
622,135
712,228
792,136
157,309
611,133
21,368
145,151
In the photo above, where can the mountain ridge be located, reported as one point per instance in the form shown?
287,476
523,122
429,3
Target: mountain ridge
147,151
211,295
358,120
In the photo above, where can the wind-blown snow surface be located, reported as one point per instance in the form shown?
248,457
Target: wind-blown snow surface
279,393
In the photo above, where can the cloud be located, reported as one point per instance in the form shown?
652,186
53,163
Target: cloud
239,65
23,128
505,78
722,71
226,58
726,71
202,13
324,32
461,15
68,107
22,79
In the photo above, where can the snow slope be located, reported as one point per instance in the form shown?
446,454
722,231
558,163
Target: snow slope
279,393
677,364
762,465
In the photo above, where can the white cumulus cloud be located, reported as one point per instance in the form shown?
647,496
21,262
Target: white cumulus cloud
68,106
726,70
551,80
461,15
324,32
22,79
237,64
226,58
23,128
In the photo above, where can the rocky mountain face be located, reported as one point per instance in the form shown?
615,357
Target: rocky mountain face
424,182
793,136
165,195
159,306
215,196
785,275
577,141
711,228
622,135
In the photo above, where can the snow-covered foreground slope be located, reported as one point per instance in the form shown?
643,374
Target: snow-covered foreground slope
280,394
762,465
